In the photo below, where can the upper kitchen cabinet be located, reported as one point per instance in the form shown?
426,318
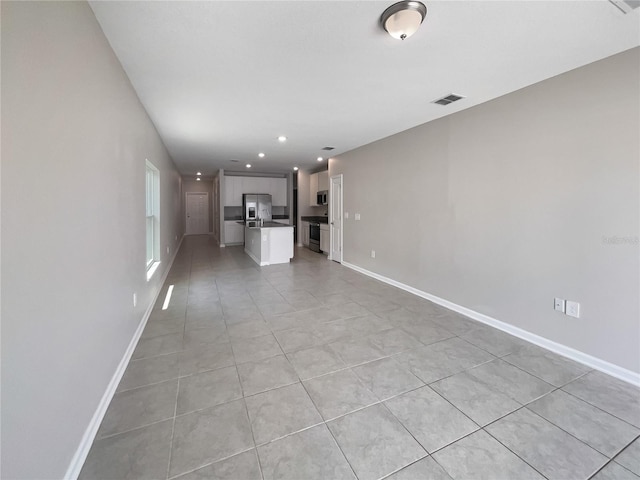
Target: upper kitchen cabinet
236,186
313,189
278,191
323,181
232,192
318,182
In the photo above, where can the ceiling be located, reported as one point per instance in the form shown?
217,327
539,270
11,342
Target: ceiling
222,80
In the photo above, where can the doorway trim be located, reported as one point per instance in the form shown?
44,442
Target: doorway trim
331,219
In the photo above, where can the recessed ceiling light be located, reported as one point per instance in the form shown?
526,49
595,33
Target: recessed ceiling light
248,165
295,169
320,159
198,179
199,173
261,155
282,138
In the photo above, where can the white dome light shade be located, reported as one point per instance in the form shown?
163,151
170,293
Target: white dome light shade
402,19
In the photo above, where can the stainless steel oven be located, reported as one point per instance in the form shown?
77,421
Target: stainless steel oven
314,237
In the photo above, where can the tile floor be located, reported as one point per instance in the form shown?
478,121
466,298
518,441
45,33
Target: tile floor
313,371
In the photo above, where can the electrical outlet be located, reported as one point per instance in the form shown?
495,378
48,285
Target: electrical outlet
559,304
357,216
346,215
373,254
573,309
167,249
135,299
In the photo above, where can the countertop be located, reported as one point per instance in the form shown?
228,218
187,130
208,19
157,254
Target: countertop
265,225
239,217
316,219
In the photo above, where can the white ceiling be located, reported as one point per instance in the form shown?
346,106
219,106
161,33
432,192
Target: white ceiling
221,80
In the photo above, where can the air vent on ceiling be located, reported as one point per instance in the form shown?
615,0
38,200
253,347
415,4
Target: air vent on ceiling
626,6
452,97
327,148
234,161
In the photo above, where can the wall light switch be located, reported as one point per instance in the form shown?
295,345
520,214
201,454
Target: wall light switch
346,215
559,304
373,254
167,249
135,299
573,309
357,216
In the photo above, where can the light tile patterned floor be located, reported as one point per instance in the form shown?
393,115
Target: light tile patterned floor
313,371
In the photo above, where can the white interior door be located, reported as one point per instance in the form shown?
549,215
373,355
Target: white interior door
335,202
197,213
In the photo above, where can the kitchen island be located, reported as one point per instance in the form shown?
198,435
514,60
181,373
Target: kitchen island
269,244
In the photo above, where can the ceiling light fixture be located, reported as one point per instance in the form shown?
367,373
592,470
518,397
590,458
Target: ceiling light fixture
402,19
248,165
295,169
198,179
199,173
261,155
320,159
282,138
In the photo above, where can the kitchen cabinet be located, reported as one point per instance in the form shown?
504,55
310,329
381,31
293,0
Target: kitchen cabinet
305,234
236,186
318,182
323,181
252,185
232,192
233,232
278,191
313,189
324,238
269,245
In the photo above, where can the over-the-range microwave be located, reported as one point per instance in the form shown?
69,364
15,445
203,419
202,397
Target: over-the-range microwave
322,198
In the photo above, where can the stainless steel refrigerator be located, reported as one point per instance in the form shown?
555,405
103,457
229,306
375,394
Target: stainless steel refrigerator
256,206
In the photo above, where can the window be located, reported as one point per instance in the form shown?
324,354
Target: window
153,218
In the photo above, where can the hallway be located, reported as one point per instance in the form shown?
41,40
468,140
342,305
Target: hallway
313,371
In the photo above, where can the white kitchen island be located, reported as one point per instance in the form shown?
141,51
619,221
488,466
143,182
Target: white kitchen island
270,244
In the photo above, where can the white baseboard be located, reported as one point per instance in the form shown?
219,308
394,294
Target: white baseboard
77,462
571,353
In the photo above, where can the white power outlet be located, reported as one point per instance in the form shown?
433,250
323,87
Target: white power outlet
373,254
135,299
573,309
357,216
167,249
559,304
346,215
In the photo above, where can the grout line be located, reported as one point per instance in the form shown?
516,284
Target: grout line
173,428
140,427
241,275
175,407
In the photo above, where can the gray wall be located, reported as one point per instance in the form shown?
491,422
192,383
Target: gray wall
190,185
501,207
74,142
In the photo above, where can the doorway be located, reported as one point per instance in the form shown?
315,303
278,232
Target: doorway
335,227
197,212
